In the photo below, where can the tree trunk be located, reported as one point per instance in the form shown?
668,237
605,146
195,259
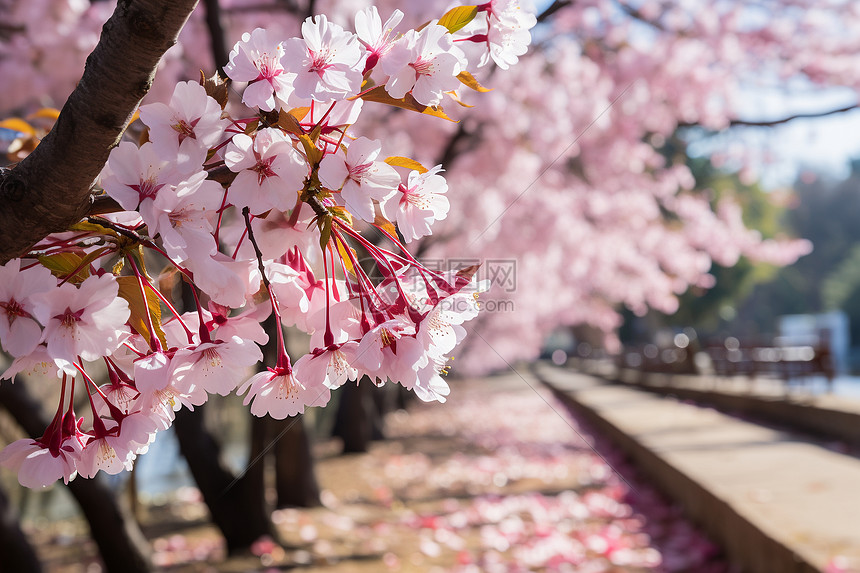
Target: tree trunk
355,416
295,480
237,504
50,189
122,546
18,554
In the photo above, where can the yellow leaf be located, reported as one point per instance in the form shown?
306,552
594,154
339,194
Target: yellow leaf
129,289
324,225
469,80
397,161
19,125
344,256
453,95
385,225
299,112
456,18
379,95
342,214
312,152
63,264
46,112
89,227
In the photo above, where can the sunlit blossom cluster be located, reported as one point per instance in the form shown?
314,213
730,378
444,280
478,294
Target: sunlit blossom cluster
281,210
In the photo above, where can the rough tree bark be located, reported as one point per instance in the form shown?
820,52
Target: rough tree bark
123,547
50,189
237,504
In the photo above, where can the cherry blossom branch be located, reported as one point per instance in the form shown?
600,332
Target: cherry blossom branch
103,204
51,188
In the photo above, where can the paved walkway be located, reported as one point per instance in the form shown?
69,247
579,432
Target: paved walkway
777,503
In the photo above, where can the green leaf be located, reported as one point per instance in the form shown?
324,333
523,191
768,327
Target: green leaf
325,231
398,161
129,289
379,95
456,18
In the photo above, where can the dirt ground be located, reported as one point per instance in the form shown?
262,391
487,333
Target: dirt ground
499,479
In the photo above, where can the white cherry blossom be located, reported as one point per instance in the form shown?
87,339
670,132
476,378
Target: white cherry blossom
257,59
185,130
360,177
418,204
326,60
425,63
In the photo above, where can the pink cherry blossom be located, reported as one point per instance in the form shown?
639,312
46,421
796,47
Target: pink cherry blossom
184,216
277,392
376,37
216,367
105,452
35,464
19,331
508,35
330,367
135,175
152,372
86,321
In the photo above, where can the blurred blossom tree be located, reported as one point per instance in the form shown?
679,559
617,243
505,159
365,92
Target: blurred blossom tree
575,165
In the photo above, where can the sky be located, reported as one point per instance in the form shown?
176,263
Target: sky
824,145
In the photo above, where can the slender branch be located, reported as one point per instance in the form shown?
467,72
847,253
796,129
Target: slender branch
788,119
793,117
449,153
51,188
246,213
553,8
